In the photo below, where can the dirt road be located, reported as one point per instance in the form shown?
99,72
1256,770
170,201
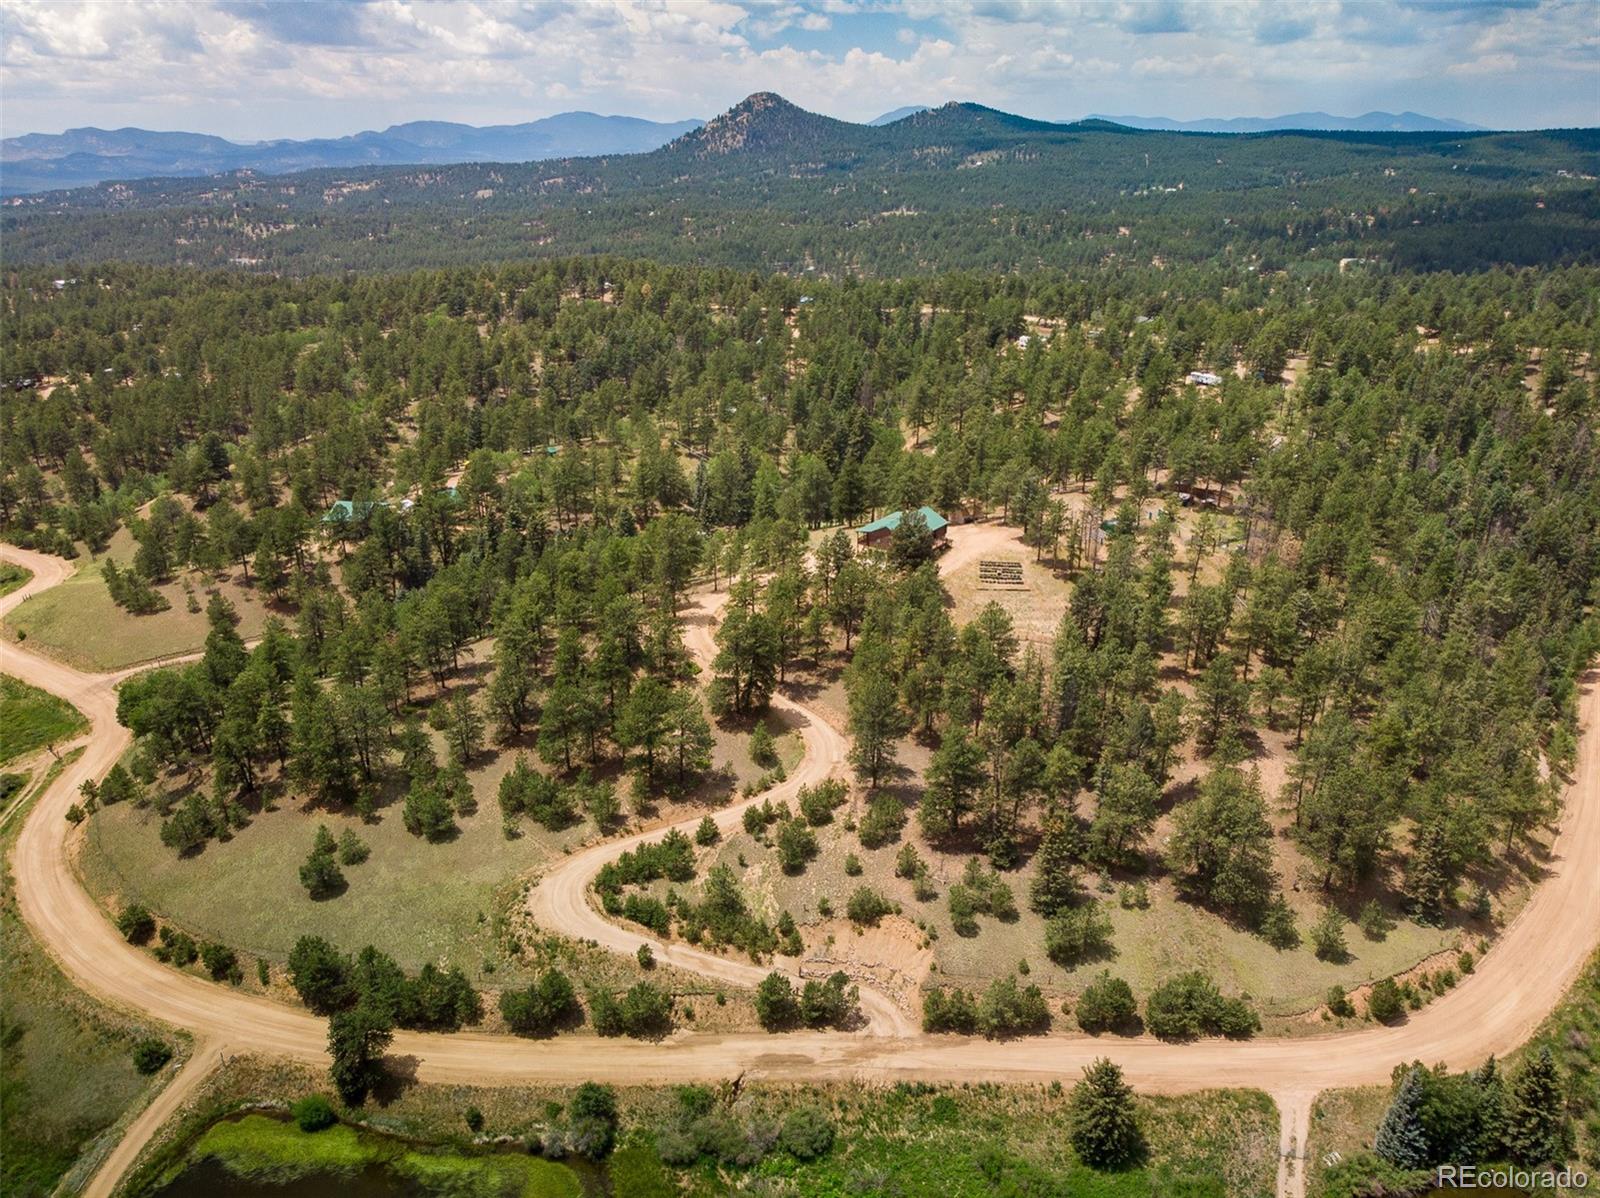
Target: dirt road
1494,1010
561,900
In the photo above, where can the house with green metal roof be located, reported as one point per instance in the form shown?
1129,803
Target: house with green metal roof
345,510
878,533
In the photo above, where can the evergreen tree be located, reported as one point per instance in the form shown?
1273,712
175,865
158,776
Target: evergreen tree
1055,884
1103,1120
1536,1131
1401,1139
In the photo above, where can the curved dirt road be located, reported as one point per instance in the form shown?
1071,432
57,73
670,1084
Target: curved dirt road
1519,980
561,900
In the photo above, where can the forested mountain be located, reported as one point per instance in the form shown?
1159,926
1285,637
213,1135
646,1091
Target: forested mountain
78,157
770,186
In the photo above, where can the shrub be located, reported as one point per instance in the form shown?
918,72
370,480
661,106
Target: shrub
645,957
541,1007
1010,1009
177,947
646,1010
136,923
867,906
313,1113
1374,921
1339,1002
592,1119
762,751
797,844
352,849
832,1003
777,1007
1107,1004
1077,933
908,862
1190,1005
150,1055
706,833
807,1133
885,816
852,865
1327,936
1277,925
818,803
1384,1001
949,1011
220,962
320,974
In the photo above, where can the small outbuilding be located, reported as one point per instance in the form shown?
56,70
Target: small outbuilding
878,534
1204,378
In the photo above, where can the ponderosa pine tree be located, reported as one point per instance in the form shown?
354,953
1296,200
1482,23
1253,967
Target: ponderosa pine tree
1103,1118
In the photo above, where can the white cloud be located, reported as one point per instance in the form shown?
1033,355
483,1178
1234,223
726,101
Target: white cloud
260,68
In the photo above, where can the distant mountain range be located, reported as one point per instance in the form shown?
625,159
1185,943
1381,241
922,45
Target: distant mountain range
44,161
898,114
1369,122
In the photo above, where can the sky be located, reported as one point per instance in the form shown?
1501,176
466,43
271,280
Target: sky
254,69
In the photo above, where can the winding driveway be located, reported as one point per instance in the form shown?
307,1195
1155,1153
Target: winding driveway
1516,984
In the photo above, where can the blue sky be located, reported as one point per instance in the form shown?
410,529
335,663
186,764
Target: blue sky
252,69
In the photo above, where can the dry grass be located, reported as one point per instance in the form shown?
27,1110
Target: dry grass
78,623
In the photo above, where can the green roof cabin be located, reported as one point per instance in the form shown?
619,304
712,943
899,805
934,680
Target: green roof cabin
345,510
877,534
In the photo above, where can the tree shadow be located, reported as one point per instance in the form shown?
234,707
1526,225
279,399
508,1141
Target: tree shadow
399,1076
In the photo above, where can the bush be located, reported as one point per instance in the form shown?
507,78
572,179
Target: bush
818,803
1339,1002
1277,924
352,849
852,865
646,1010
867,906
885,816
777,1007
807,1133
1384,1001
1010,1009
762,751
1327,937
1077,933
645,957
221,962
474,1119
797,844
949,1011
1190,1005
1106,1005
150,1055
832,1003
592,1119
313,1113
136,923
1374,921
542,1007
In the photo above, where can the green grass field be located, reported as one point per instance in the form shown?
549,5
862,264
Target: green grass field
31,719
66,1073
77,623
12,576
